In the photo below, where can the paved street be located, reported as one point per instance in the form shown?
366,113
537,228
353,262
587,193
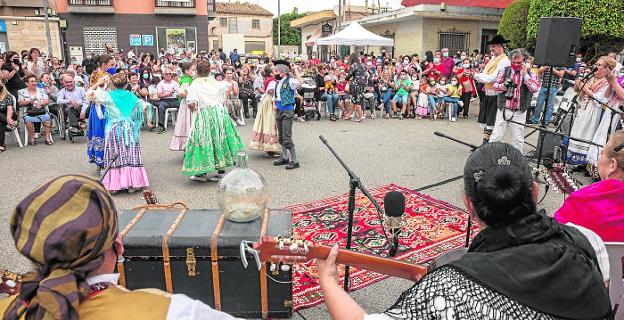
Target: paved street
381,151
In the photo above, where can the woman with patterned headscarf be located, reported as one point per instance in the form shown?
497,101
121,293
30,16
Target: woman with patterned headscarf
122,150
68,229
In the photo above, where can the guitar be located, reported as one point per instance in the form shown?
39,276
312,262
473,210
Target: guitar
9,282
288,251
558,178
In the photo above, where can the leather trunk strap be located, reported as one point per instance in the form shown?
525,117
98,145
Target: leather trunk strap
165,249
214,257
264,295
122,235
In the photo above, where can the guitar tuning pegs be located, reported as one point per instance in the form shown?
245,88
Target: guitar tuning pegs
11,283
294,247
281,245
285,267
273,267
305,248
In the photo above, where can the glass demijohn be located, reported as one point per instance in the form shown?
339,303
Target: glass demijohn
242,194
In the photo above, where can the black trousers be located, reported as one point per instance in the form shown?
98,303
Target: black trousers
487,111
4,121
465,98
73,116
246,99
284,120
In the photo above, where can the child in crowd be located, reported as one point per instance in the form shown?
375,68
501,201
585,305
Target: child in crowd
432,93
423,99
442,93
454,91
329,84
341,90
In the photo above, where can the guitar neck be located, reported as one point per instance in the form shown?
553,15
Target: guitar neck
377,264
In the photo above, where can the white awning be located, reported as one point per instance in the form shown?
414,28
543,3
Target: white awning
355,35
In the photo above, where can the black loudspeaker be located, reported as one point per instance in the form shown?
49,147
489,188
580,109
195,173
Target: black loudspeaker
550,141
558,41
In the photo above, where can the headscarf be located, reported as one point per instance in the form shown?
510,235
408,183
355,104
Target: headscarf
64,227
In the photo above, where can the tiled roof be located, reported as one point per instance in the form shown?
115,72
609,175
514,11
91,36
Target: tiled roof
500,4
244,8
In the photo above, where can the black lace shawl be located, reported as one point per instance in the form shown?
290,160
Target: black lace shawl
534,269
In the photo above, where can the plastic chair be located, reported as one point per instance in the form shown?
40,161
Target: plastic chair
174,112
616,285
26,129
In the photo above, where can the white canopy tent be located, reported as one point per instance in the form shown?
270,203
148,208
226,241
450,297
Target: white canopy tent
355,35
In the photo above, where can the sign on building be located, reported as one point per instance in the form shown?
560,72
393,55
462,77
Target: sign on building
327,29
148,40
135,40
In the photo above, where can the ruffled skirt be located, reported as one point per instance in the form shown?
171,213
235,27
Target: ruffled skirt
95,137
127,170
182,128
264,135
213,142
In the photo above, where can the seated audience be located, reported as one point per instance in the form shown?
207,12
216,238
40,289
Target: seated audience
600,206
521,265
78,282
72,99
168,96
36,102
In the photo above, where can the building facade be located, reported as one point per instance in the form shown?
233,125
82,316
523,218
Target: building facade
145,25
243,26
22,26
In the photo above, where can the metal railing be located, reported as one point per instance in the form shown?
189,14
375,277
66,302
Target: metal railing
90,2
175,3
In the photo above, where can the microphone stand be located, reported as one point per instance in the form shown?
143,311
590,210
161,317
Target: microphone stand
109,166
472,148
355,183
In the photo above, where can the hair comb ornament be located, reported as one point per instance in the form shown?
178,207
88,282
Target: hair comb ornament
504,161
478,176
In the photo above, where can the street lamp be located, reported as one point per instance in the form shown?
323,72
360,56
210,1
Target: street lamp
279,30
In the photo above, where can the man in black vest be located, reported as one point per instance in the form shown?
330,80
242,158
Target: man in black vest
515,86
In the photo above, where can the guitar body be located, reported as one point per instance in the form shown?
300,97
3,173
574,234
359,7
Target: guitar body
558,178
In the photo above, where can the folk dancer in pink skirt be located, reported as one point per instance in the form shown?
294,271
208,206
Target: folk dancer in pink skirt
122,150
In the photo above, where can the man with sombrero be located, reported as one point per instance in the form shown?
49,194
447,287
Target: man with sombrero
498,63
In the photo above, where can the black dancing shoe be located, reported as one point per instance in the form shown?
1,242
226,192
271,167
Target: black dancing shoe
292,165
281,162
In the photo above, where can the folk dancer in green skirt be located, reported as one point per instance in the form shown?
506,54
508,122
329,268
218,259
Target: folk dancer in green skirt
213,140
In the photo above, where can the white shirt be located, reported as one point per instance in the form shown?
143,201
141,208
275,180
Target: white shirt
294,84
490,78
181,306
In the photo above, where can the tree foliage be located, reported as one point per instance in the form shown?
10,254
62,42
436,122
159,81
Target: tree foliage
513,24
289,36
601,31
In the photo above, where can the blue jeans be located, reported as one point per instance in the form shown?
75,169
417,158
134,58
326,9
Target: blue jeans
332,101
387,98
400,98
541,99
432,102
454,102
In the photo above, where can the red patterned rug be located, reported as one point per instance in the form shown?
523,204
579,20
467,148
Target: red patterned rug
430,228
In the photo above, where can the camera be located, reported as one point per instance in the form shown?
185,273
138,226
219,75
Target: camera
509,84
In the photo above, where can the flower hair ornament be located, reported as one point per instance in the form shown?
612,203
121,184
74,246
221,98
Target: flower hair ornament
478,176
504,161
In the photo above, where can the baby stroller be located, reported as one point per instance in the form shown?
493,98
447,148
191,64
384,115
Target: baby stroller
310,105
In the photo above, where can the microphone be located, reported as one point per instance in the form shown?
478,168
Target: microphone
322,138
394,206
591,74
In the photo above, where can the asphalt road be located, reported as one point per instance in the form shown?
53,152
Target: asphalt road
380,151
